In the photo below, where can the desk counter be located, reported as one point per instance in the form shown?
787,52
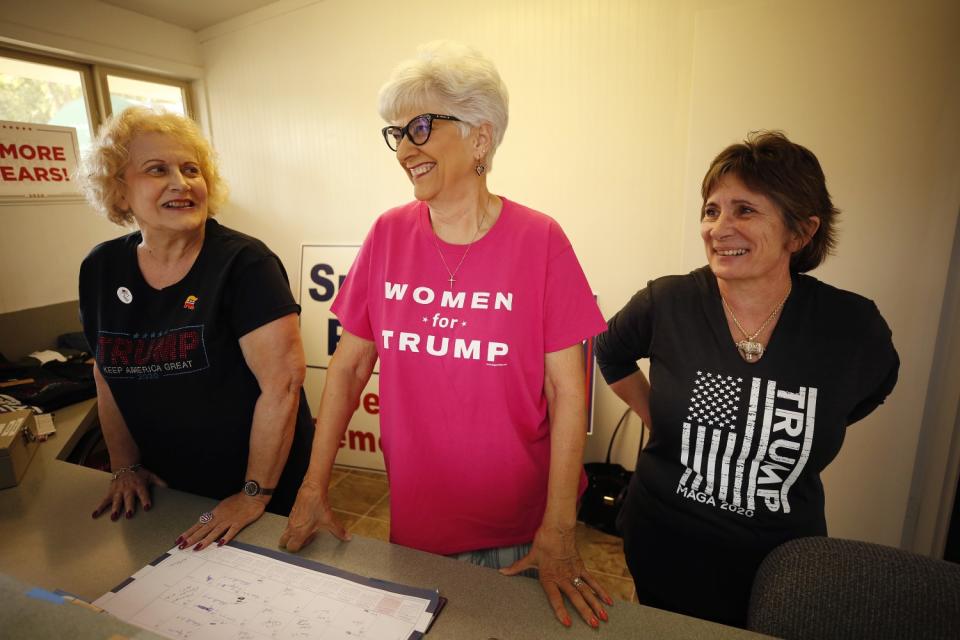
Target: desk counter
49,540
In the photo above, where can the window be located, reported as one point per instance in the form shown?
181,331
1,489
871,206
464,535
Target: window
127,89
44,93
47,90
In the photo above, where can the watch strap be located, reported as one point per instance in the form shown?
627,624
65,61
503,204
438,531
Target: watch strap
252,488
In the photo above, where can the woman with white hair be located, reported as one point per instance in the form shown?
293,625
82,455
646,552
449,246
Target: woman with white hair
476,307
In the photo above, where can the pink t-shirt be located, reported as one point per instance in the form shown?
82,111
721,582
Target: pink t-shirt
463,415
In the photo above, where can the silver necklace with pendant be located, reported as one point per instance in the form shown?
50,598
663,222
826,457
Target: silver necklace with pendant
749,348
453,274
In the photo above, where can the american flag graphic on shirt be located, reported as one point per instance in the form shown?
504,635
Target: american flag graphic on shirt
744,462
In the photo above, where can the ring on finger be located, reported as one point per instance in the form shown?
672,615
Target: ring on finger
577,582
206,517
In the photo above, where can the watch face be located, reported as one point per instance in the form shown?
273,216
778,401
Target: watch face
251,488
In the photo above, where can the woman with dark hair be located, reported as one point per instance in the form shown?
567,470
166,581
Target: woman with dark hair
756,370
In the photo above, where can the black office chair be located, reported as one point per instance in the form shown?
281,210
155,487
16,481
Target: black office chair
831,588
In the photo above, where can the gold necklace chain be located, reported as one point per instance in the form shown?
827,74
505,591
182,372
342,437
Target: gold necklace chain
452,279
749,347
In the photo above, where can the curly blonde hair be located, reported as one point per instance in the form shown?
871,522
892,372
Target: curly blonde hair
103,166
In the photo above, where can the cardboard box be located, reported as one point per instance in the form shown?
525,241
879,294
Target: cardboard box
18,443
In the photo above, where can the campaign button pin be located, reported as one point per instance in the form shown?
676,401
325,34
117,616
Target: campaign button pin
125,296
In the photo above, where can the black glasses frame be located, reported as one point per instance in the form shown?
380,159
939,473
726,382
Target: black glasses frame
392,135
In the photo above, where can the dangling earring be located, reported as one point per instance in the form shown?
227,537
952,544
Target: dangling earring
481,167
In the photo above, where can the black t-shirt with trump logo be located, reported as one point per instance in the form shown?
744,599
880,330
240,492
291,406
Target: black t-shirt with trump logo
173,361
736,449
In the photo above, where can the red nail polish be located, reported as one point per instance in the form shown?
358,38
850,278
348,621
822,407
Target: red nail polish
608,600
198,547
114,516
95,513
147,507
129,514
603,615
594,623
183,545
566,622
220,542
179,540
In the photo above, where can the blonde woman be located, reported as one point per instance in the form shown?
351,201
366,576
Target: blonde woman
199,360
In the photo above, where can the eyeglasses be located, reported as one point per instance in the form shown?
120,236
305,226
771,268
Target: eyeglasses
417,130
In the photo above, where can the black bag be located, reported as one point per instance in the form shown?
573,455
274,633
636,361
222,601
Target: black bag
606,489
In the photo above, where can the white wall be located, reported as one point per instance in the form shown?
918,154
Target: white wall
616,109
41,246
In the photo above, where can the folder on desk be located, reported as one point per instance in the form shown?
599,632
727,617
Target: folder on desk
240,589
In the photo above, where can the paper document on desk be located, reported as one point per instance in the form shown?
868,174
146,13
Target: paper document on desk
240,591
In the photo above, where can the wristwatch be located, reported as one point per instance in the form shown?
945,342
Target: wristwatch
252,488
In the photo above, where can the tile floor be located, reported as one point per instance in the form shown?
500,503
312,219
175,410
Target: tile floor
360,500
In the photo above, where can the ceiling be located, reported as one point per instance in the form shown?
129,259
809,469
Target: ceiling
191,14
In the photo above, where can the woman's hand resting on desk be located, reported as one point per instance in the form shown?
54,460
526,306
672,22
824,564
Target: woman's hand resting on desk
311,513
554,554
223,523
129,484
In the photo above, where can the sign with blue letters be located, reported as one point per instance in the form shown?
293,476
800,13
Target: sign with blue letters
323,268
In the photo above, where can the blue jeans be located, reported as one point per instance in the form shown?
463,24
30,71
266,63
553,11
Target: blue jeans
497,558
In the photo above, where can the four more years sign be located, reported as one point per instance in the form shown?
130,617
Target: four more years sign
37,162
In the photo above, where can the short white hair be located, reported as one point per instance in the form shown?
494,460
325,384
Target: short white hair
459,78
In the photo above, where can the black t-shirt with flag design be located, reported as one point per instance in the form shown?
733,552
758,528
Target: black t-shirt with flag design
733,465
173,361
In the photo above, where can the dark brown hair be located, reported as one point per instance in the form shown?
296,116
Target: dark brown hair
790,175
